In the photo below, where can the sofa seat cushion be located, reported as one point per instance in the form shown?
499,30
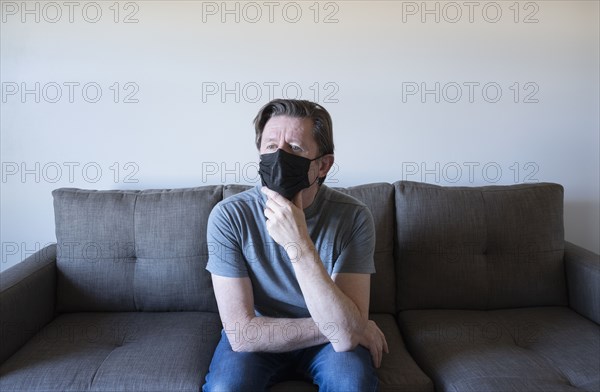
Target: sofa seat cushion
533,349
294,386
398,371
132,351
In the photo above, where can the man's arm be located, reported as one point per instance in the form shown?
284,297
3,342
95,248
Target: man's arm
345,303
247,332
341,300
328,304
359,291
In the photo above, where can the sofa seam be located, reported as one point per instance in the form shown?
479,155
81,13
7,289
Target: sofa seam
13,287
485,253
100,366
396,192
135,305
35,272
567,381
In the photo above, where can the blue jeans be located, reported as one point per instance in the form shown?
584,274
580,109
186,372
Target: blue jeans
330,370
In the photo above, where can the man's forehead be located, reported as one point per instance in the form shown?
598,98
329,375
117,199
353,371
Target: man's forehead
292,126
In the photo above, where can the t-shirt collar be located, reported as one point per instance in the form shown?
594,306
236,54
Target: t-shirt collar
315,206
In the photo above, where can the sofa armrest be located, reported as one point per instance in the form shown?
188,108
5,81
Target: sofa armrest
27,299
583,280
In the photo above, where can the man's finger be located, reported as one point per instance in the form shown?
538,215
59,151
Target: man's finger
272,195
271,205
374,356
384,341
268,213
385,345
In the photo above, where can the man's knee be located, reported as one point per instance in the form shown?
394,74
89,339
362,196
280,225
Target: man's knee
231,384
233,371
362,379
347,371
240,375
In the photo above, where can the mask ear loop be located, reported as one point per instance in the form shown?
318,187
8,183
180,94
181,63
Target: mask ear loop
321,180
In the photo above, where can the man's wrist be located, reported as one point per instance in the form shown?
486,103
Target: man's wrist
300,252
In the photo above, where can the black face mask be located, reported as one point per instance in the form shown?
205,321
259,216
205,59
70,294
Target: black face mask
285,173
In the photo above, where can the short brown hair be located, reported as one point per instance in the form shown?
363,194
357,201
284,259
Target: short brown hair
322,125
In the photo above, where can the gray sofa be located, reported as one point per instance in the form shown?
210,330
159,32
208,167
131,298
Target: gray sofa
476,290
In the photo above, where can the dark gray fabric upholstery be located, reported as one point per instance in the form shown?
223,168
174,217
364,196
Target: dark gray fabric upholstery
583,280
477,276
171,249
95,256
233,189
294,386
479,247
398,371
525,245
540,349
134,250
24,310
127,351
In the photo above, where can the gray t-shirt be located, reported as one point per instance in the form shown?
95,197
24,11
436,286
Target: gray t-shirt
239,245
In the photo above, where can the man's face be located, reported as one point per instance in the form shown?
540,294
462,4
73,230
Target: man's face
293,135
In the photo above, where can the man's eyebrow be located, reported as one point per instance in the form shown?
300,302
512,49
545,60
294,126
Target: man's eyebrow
291,140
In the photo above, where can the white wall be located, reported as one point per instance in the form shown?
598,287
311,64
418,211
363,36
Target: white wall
171,127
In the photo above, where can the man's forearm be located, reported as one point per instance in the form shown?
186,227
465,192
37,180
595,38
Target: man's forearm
267,334
327,304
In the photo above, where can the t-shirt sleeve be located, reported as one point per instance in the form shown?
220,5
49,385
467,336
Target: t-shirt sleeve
225,256
357,256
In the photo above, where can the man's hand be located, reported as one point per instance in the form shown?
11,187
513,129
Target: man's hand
374,340
286,223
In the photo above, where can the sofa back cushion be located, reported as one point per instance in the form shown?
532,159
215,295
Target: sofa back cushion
379,198
481,248
133,250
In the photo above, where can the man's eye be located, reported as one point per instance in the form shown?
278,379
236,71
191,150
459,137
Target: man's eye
270,147
296,148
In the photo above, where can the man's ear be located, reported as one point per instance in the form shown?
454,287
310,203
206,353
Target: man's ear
325,164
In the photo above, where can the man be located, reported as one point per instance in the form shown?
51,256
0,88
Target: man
291,264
